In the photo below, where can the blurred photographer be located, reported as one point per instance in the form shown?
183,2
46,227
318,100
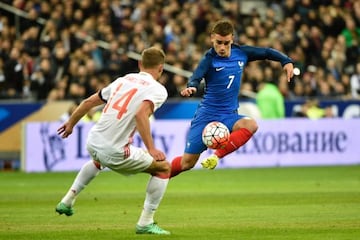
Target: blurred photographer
355,82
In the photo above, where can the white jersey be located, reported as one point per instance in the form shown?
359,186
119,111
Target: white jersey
117,123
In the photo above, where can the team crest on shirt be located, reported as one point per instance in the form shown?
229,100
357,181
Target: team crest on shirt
241,64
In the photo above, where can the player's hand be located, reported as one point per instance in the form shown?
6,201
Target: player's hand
157,155
289,69
65,130
187,92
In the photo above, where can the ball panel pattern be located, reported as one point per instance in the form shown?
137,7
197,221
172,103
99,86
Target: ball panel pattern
215,135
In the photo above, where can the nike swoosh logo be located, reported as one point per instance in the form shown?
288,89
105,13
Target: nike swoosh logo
219,69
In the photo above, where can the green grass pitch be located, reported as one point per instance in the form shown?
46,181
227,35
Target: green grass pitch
302,203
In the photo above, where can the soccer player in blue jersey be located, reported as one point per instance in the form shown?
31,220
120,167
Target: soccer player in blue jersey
221,67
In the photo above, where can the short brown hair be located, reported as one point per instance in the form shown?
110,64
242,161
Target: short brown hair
152,57
223,28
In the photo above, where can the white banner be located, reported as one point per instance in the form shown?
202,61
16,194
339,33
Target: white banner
288,142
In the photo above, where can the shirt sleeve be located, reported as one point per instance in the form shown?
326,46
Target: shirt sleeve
200,71
104,93
158,96
260,53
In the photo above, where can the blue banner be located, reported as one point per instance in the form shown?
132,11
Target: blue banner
10,113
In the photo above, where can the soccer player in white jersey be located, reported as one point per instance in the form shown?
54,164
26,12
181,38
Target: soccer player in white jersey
130,101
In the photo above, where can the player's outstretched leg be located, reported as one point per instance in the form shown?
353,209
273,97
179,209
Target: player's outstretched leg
87,172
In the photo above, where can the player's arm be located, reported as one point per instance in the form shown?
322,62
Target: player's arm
289,69
260,53
85,106
143,127
198,74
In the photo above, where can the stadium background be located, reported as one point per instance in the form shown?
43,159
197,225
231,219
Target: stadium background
55,53
276,203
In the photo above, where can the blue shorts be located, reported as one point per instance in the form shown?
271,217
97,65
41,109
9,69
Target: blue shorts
194,143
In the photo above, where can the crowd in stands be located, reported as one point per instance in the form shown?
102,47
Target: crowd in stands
61,58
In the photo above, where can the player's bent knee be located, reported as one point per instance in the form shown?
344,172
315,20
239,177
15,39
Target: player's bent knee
159,168
248,123
165,166
164,170
255,127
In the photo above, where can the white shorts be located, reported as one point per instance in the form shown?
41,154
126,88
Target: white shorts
137,161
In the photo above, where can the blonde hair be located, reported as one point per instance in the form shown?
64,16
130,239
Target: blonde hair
152,57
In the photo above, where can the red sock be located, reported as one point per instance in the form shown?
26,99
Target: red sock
162,175
237,139
176,166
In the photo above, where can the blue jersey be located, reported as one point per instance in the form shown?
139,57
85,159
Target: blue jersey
223,75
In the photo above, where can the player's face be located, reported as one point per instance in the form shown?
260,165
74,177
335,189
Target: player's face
222,44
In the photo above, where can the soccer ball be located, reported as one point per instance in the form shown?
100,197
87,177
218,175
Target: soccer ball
215,135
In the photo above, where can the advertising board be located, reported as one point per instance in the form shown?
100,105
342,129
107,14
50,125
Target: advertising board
288,142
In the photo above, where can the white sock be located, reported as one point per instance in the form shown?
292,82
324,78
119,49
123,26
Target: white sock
87,172
154,193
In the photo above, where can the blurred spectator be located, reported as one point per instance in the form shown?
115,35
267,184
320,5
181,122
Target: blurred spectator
14,74
270,101
322,37
32,14
352,40
180,83
345,81
65,116
31,41
355,82
331,22
61,62
324,89
298,89
311,109
310,81
356,12
2,79
112,59
42,80
351,32
92,116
